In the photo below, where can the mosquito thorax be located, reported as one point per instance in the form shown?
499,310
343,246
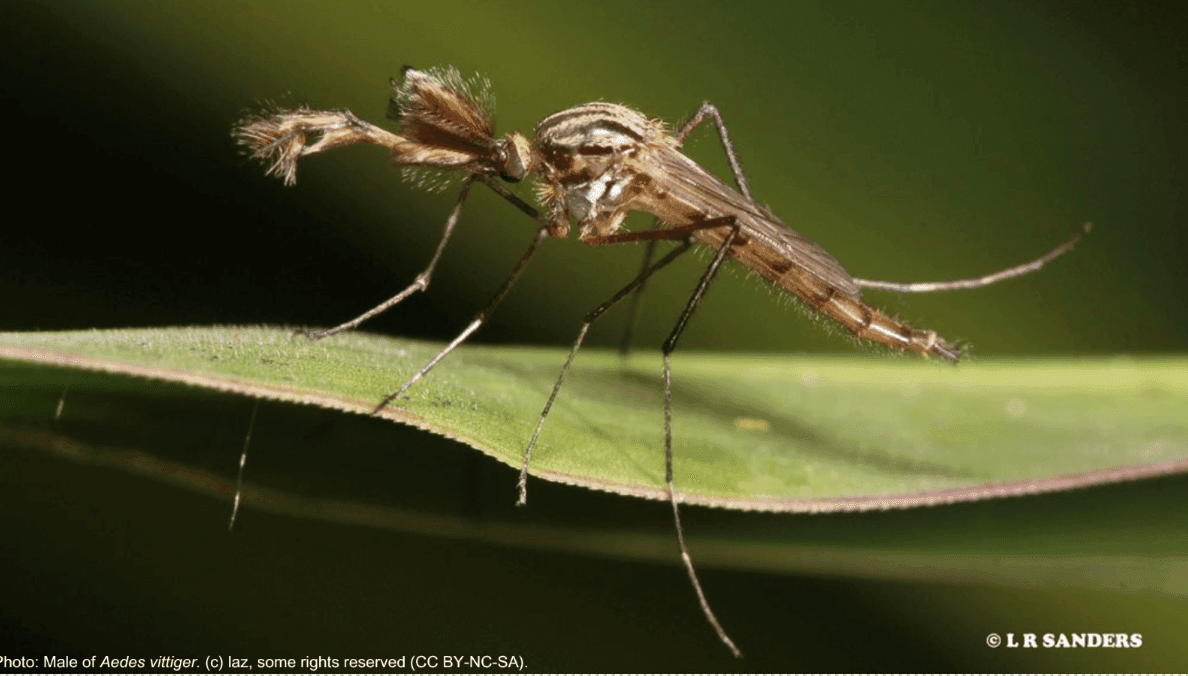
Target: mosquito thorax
586,156
596,128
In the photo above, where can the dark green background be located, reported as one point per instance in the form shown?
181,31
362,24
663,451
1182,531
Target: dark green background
914,141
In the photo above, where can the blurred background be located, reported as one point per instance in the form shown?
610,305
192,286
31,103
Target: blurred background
915,141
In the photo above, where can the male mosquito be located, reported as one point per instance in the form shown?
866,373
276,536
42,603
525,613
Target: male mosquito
596,163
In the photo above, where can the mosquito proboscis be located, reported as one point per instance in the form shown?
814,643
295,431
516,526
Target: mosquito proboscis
595,164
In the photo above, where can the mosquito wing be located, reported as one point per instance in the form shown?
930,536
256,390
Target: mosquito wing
772,248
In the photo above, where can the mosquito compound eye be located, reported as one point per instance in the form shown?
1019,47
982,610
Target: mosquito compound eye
505,161
516,157
510,169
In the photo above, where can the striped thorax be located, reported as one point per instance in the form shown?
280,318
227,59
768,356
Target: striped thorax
593,161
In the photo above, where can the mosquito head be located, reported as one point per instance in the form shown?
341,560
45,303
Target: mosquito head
515,157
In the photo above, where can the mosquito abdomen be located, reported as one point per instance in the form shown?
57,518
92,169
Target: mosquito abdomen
842,306
866,322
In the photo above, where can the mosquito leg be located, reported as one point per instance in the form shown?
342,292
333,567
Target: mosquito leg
243,461
651,236
676,518
474,325
667,350
987,280
281,138
527,209
707,110
675,233
633,308
547,230
421,283
669,347
61,402
633,286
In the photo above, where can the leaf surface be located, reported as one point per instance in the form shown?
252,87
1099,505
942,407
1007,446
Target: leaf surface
751,432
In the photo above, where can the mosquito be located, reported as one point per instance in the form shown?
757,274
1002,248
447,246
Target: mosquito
595,164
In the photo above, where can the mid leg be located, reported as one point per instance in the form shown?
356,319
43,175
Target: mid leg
633,308
247,439
590,318
669,347
682,233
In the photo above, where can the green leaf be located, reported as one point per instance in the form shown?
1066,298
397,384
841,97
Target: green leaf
769,433
754,433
